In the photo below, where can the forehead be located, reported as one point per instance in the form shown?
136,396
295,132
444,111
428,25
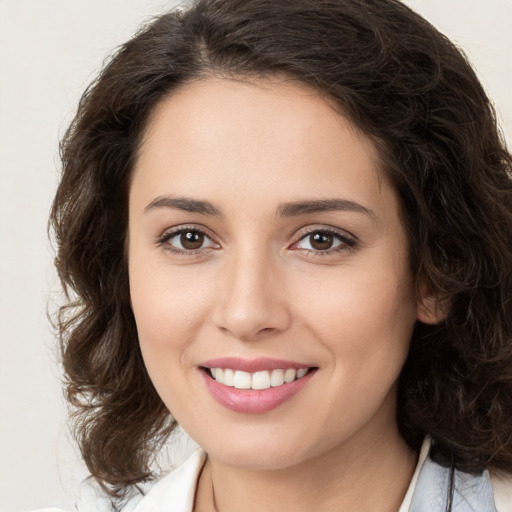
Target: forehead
268,139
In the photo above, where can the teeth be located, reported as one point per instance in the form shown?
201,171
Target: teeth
242,380
229,377
301,372
277,378
257,380
289,375
261,380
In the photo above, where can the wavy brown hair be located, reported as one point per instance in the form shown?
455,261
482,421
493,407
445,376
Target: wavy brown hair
405,86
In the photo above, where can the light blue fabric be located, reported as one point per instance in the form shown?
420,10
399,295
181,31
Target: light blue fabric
472,493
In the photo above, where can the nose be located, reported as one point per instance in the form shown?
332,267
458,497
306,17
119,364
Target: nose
252,301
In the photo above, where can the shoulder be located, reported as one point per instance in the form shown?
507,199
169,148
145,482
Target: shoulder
502,487
489,491
48,509
175,491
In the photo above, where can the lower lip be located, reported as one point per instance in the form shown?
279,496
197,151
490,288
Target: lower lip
251,400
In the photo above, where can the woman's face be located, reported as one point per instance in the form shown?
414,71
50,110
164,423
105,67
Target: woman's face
264,242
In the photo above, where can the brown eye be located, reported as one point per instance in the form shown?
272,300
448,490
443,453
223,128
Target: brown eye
324,242
187,241
191,240
321,241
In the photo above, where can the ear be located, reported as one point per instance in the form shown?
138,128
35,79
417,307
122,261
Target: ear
431,308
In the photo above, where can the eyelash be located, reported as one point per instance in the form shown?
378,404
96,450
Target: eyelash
164,239
348,242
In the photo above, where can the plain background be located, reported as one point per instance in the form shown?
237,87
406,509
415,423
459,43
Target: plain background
49,51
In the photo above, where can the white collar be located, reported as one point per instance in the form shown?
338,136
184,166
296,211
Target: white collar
177,490
425,448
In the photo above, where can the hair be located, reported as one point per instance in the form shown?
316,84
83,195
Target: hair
401,83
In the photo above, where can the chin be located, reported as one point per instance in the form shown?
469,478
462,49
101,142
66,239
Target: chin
262,449
257,458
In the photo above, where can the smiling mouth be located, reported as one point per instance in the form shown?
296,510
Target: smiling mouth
260,380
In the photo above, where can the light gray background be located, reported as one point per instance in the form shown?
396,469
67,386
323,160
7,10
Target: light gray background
49,51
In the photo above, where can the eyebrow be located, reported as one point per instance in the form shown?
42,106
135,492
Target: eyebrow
183,203
291,209
323,205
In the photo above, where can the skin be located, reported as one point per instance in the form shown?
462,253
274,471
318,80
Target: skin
257,288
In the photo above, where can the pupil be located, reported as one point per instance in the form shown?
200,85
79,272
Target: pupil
192,240
321,241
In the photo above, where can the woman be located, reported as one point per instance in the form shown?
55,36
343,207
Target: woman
289,225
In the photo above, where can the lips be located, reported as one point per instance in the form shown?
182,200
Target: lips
254,386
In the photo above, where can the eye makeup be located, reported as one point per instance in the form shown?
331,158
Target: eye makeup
317,241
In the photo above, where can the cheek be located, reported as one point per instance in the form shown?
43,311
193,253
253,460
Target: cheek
365,318
365,321
169,312
169,307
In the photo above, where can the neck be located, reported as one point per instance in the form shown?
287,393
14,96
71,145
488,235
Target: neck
359,476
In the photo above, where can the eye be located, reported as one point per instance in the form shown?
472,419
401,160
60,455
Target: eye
187,240
324,241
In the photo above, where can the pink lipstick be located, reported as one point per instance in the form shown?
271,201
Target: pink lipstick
254,386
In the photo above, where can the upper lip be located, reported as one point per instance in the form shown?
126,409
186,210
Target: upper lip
252,365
